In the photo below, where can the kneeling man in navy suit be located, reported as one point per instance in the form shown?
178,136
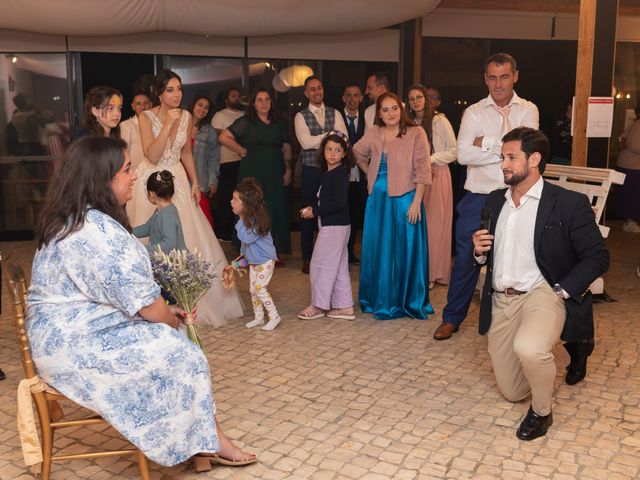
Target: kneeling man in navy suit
542,248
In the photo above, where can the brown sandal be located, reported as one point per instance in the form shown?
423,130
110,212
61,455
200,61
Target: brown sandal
243,459
201,463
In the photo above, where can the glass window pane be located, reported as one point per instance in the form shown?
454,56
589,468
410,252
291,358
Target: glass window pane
207,76
34,129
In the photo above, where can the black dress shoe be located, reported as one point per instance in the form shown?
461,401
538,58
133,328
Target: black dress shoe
305,266
579,352
2,375
353,260
534,425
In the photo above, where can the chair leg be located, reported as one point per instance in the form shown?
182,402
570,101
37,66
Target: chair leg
143,464
47,451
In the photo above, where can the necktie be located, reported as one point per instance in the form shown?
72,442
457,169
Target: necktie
320,116
351,127
504,111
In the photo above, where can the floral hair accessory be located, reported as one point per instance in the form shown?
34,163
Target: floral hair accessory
341,135
166,178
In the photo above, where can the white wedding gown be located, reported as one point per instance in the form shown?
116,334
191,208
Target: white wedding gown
219,304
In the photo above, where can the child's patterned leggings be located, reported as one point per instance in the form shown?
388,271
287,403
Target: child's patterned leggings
259,278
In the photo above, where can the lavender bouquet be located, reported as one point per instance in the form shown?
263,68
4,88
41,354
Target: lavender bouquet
186,276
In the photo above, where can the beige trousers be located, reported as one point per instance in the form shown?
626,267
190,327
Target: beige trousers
523,331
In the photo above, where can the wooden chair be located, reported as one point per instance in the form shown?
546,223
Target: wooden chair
49,412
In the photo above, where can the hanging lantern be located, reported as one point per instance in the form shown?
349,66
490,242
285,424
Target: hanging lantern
279,85
295,75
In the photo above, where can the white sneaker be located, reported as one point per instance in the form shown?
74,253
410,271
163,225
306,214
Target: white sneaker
273,323
630,226
254,323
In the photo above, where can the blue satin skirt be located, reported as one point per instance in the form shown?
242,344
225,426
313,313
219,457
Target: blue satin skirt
394,269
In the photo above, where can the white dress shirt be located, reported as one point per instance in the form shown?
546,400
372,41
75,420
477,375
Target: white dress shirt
444,141
308,141
514,257
130,133
484,173
369,116
220,121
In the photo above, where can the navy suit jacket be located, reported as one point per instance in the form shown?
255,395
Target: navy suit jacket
359,134
569,251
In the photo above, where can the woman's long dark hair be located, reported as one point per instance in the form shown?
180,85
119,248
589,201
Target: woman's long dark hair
252,113
99,97
82,179
341,139
405,120
255,214
160,84
427,120
207,119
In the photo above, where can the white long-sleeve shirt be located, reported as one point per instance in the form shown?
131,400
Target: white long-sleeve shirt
308,141
130,133
481,119
369,116
514,264
444,141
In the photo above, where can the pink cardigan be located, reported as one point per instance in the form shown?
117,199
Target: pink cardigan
408,160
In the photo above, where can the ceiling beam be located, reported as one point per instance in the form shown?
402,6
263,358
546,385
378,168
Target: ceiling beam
627,7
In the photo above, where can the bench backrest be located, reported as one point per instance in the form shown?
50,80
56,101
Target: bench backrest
593,182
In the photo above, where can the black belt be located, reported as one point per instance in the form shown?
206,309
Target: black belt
511,292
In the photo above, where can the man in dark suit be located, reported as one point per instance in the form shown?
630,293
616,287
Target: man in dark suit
354,120
547,251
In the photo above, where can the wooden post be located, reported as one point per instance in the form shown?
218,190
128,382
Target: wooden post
586,35
417,52
604,56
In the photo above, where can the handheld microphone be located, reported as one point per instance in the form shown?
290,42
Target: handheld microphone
485,218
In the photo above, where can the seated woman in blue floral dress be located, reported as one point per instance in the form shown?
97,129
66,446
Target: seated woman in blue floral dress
101,333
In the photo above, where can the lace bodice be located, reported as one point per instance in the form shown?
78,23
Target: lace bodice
171,154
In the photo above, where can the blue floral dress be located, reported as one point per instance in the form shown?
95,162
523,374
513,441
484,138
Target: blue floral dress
87,340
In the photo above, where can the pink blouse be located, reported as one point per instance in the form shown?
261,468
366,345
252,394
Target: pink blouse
408,160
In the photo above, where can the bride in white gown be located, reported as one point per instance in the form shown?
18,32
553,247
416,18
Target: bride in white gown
164,134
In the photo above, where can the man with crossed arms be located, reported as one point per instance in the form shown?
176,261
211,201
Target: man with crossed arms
479,142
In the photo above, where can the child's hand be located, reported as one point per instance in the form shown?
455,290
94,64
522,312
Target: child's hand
306,213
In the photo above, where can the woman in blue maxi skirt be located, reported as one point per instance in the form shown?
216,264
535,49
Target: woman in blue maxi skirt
394,271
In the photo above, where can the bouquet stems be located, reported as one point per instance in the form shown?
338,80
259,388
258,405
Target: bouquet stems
190,330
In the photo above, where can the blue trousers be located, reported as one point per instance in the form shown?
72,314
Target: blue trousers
309,185
464,272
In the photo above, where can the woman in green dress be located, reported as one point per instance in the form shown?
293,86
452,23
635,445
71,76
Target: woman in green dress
261,138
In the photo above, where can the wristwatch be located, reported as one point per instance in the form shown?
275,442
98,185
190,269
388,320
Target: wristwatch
557,289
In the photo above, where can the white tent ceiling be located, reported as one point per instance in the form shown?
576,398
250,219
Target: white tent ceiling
218,18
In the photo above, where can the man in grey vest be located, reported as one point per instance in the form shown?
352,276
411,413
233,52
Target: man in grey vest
312,124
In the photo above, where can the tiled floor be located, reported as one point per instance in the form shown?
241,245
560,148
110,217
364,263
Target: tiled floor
329,399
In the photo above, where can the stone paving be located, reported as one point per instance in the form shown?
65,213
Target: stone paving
336,399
